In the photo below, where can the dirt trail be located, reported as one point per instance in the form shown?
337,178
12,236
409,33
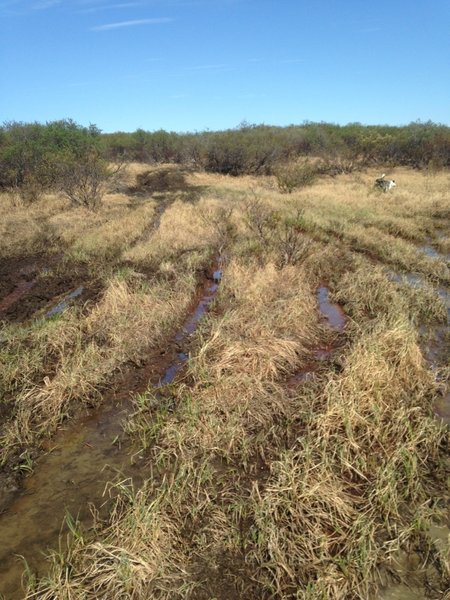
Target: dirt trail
82,459
18,277
87,455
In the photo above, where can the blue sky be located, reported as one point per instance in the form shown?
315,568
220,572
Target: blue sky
191,65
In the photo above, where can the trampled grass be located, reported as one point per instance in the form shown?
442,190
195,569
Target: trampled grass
272,470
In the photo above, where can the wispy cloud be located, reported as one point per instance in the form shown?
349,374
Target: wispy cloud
134,23
100,7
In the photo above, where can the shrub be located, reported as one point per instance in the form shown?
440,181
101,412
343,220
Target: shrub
84,179
60,155
292,176
161,180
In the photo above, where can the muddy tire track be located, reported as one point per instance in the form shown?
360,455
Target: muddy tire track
87,454
434,337
334,317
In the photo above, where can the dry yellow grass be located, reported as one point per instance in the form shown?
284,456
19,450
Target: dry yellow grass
261,486
315,489
104,234
133,315
26,229
127,321
185,229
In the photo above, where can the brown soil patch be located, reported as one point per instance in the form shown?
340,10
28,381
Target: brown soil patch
34,283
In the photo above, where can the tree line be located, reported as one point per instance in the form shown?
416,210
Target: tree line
65,156
256,149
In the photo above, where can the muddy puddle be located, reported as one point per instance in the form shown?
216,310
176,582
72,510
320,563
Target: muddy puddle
402,592
24,286
412,569
22,278
429,251
80,461
431,247
188,329
332,313
61,306
43,286
434,345
334,316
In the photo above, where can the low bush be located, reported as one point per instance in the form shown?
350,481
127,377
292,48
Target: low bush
297,175
161,180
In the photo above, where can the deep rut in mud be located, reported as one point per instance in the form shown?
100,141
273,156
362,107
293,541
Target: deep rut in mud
334,316
84,457
90,452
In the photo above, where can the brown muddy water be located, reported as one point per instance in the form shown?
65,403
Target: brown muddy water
80,461
334,316
89,453
189,328
332,313
434,346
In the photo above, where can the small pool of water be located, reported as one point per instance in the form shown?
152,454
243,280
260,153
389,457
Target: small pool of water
61,306
333,313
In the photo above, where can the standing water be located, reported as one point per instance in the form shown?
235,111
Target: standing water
61,306
335,318
333,313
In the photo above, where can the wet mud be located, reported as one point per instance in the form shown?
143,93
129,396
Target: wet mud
64,303
334,317
189,328
332,313
434,337
82,458
434,247
22,287
429,251
17,277
29,286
